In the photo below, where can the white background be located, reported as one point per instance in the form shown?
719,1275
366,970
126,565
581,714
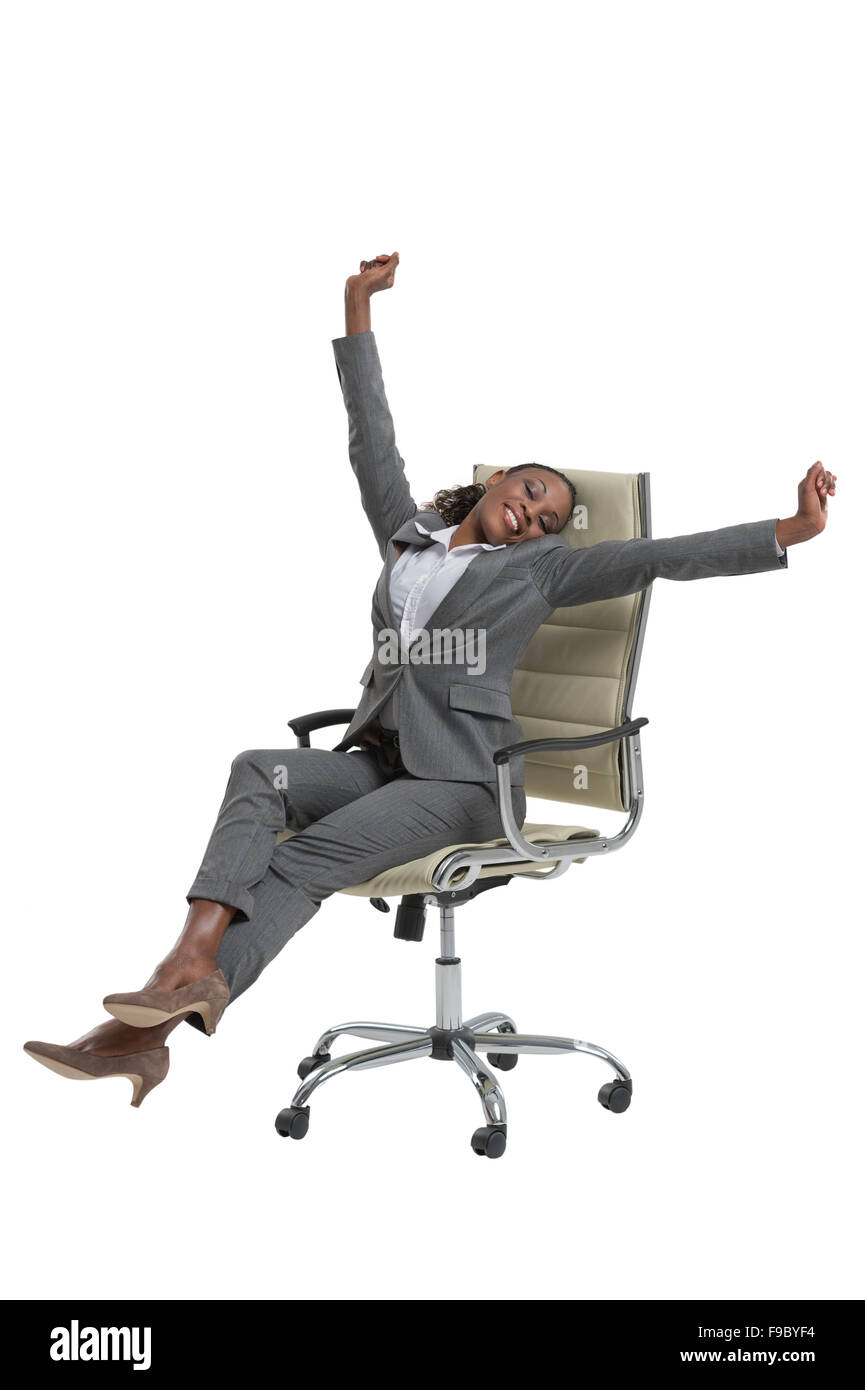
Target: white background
631,238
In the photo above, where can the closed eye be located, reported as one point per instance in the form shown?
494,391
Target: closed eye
541,522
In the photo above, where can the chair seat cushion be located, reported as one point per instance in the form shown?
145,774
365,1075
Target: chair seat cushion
417,875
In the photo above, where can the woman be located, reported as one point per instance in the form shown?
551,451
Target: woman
414,772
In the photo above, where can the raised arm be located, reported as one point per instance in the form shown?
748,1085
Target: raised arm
612,568
374,457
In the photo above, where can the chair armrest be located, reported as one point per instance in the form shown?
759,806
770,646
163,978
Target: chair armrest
306,724
502,757
532,745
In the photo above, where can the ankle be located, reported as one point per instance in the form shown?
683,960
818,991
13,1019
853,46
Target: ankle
197,962
180,968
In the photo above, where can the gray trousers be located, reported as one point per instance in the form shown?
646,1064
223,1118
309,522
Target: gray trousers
356,813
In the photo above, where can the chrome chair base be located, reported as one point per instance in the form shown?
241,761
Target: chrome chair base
449,1039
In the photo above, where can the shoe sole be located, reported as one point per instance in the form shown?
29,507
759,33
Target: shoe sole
145,1016
63,1069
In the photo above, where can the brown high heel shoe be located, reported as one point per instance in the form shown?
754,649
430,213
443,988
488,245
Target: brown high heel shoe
144,1008
144,1069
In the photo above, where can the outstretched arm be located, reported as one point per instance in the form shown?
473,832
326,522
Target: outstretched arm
374,457
612,568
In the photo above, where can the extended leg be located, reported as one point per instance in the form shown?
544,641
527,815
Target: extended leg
486,1086
402,820
267,790
270,790
485,1023
547,1045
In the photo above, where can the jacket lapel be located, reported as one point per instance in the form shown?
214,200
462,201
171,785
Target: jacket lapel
482,571
470,585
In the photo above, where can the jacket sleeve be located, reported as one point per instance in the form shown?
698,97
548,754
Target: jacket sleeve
612,568
372,451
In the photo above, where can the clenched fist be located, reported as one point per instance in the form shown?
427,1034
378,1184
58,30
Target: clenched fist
815,489
374,275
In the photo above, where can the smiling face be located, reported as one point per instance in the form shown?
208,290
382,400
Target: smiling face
522,506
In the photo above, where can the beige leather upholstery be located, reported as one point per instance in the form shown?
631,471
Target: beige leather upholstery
570,680
417,875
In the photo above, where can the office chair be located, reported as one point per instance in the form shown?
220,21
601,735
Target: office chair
571,694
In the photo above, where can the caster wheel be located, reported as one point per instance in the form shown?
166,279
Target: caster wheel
615,1096
293,1122
490,1140
504,1061
310,1063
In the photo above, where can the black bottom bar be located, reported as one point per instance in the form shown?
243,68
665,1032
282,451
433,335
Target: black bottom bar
234,1337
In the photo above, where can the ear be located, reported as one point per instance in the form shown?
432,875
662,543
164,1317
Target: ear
496,477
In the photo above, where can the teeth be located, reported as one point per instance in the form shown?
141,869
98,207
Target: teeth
514,524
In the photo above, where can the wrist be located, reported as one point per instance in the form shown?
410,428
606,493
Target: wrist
357,308
792,530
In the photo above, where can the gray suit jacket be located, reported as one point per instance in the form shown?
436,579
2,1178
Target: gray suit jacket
452,720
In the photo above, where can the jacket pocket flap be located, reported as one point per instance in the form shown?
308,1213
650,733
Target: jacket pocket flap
482,698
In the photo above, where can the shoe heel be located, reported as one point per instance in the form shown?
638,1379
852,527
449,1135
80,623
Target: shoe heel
210,1011
143,1082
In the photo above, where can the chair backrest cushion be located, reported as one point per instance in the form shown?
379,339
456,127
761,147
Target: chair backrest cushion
572,678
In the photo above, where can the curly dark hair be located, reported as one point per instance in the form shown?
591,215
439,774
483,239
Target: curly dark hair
455,503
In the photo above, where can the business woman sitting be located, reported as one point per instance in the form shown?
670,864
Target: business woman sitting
414,772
